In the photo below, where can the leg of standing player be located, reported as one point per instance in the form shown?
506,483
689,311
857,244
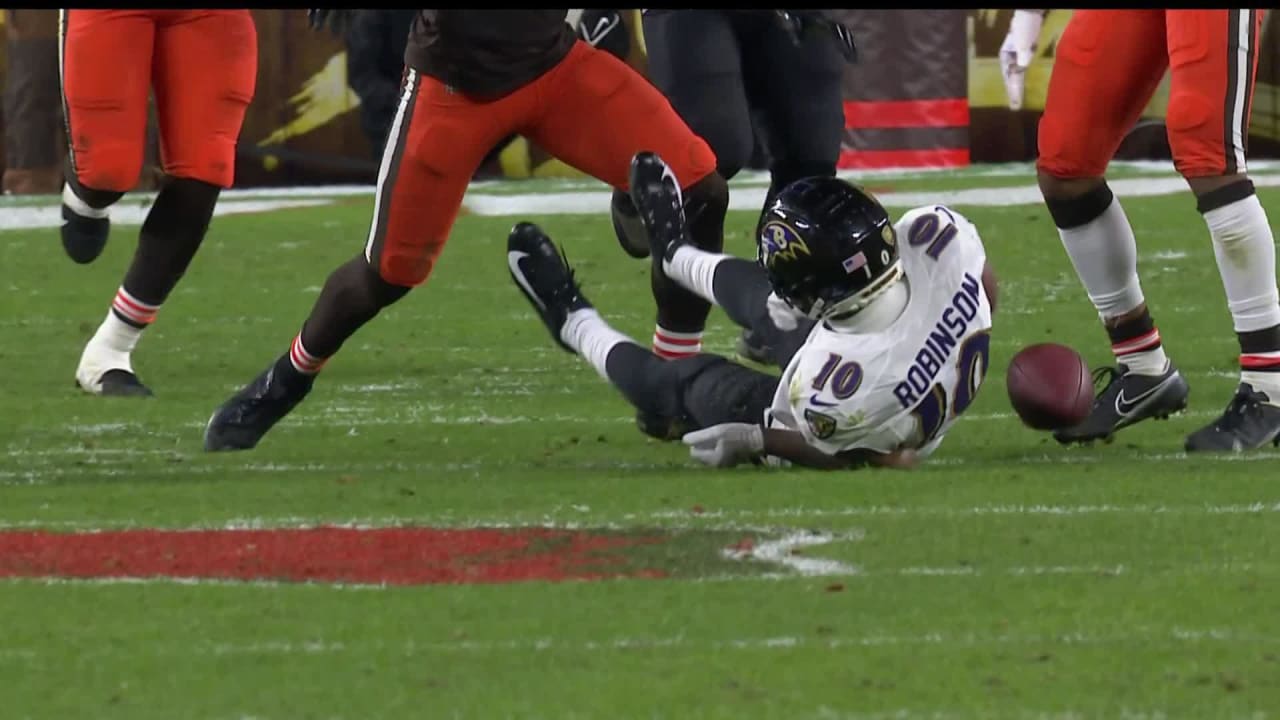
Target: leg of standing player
105,58
628,115
438,139
1108,66
200,107
1213,56
799,91
695,59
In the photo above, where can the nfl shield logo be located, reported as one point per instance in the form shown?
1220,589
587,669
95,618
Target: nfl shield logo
855,262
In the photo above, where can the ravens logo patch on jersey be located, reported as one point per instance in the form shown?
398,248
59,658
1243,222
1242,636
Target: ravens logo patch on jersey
823,426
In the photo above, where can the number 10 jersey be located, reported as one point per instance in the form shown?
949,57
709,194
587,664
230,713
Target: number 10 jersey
904,386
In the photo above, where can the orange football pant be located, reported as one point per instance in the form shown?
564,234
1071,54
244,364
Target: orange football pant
1108,65
202,66
591,110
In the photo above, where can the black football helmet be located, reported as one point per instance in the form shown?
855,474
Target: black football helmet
828,247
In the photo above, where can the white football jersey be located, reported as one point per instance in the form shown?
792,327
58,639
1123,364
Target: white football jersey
904,386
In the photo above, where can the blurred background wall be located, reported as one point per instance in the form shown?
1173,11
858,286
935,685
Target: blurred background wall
926,93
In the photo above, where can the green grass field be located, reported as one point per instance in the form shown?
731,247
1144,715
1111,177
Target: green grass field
1007,578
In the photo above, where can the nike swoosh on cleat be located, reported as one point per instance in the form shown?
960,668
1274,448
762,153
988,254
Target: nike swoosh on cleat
513,261
1125,406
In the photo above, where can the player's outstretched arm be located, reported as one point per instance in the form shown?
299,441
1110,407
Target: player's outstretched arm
730,444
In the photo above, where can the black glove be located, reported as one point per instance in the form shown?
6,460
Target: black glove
799,23
604,29
336,20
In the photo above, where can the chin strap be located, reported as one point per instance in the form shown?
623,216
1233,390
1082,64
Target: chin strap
854,303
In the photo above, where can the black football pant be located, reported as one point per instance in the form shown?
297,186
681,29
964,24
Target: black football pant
718,66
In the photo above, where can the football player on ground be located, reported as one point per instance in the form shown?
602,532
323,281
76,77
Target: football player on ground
202,66
472,78
721,67
1108,64
897,353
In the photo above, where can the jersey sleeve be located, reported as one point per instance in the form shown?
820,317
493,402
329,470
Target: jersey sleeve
926,232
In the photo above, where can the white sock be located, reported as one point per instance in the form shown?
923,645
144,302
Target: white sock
1244,247
110,348
588,334
1105,255
694,270
80,207
1143,355
1246,254
117,335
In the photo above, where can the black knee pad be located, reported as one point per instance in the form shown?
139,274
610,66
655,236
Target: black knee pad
1073,212
1225,195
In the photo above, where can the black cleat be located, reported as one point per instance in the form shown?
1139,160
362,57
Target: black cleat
544,277
119,383
1128,398
752,347
83,238
1248,423
242,421
656,195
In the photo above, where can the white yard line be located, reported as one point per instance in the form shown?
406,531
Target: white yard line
582,517
335,415
131,213
938,638
591,197
39,470
751,198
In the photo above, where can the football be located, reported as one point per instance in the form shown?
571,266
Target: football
1049,386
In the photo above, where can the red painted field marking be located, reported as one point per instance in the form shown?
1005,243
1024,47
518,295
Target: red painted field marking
393,556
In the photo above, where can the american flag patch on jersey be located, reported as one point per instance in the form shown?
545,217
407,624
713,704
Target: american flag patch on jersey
855,262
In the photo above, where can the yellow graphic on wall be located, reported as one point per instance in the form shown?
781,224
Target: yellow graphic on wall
323,97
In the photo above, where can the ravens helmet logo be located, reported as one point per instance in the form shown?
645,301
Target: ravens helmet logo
780,241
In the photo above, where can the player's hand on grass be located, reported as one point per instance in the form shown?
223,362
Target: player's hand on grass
726,445
336,20
1017,51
